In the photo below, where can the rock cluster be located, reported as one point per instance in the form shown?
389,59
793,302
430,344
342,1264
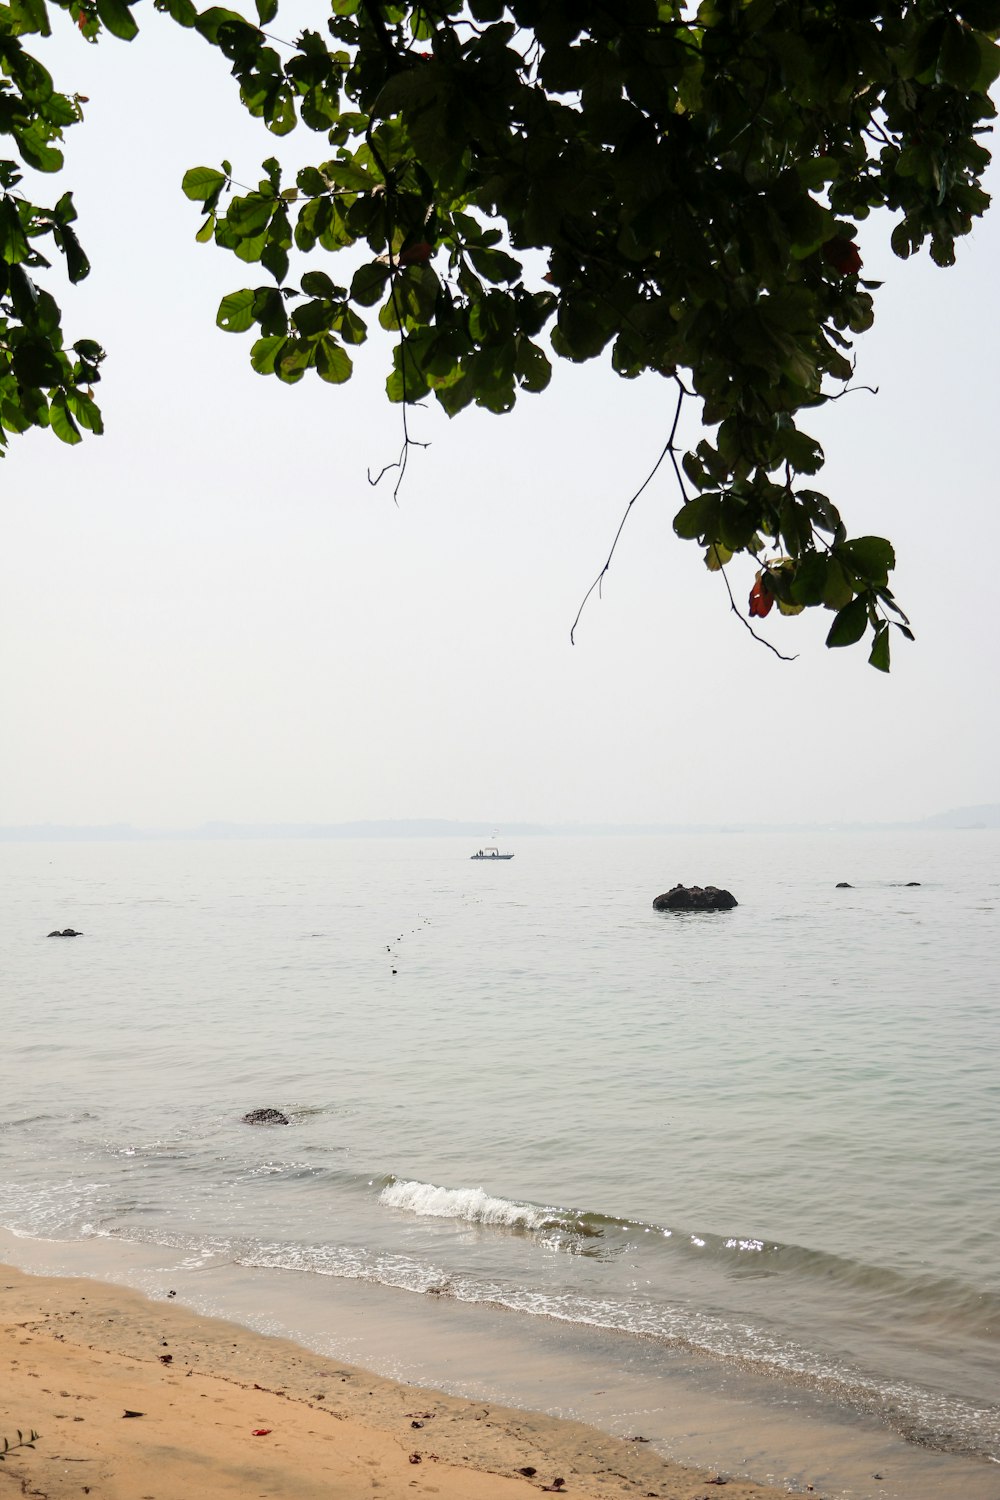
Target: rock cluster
66,932
265,1117
695,898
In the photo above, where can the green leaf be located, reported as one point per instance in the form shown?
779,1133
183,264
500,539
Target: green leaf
64,211
809,580
871,557
333,363
265,353
13,240
880,648
89,350
61,422
200,183
313,317
118,19
86,411
210,22
182,11
36,150
318,284
249,216
235,313
77,264
531,366
850,623
699,518
369,283
269,311
35,363
716,557
837,588
494,265
959,60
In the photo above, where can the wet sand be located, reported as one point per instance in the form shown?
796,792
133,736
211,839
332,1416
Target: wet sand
221,1411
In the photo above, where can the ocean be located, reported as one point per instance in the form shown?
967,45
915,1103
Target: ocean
727,1178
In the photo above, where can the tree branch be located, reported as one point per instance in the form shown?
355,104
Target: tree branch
667,448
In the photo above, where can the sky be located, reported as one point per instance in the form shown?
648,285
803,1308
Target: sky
209,613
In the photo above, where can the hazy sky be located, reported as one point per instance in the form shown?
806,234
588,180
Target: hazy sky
209,613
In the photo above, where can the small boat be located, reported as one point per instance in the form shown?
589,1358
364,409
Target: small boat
490,852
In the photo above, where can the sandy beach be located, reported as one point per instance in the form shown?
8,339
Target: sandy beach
140,1400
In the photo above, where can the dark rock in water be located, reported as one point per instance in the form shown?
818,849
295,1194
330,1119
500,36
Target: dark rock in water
695,898
265,1117
912,882
66,932
844,885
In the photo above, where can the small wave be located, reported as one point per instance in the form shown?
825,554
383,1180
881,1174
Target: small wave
476,1206
18,1121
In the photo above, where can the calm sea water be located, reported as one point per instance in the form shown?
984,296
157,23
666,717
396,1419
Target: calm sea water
768,1136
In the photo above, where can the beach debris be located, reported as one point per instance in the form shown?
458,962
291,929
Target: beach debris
722,1479
265,1117
528,1471
171,1294
556,1486
128,1413
636,1439
165,1359
695,898
415,1458
424,1416
22,1442
261,1432
416,1424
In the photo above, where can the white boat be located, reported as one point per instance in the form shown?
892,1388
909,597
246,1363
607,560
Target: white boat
490,852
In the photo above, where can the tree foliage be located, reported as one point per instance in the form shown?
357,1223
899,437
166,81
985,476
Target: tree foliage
42,384
676,189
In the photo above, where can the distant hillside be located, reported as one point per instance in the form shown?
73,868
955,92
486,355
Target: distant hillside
419,828
987,816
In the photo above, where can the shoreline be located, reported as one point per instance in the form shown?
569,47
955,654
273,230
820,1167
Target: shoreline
224,1411
574,1403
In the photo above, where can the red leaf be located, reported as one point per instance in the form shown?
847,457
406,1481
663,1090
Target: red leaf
843,256
261,1431
415,255
760,600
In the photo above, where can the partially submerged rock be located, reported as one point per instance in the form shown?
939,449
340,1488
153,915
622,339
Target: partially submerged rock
844,885
265,1117
66,932
695,898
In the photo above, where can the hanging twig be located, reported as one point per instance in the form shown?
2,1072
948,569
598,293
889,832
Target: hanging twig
667,448
408,442
670,450
745,622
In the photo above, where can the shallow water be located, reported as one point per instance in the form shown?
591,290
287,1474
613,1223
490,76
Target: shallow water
762,1139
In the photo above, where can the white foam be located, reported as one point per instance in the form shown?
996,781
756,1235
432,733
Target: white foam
473,1205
